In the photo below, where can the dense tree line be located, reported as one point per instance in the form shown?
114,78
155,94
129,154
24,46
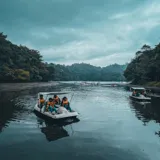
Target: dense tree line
145,67
21,64
87,72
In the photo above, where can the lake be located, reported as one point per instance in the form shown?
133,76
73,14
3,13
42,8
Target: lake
111,126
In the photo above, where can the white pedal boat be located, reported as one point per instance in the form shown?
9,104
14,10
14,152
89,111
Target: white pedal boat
62,113
140,97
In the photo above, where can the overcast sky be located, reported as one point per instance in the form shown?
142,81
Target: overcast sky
99,32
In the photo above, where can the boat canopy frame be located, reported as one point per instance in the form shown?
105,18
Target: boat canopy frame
50,94
138,88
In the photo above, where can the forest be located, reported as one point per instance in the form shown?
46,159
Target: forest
87,72
145,66
21,64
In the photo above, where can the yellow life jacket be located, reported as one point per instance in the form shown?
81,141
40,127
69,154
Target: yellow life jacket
41,101
65,102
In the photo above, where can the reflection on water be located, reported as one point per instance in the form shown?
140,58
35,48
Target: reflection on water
146,113
53,132
7,108
110,126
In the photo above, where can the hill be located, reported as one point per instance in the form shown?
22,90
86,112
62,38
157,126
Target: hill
87,72
21,64
145,67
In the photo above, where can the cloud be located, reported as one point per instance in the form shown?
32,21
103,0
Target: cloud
153,9
106,60
93,45
96,32
119,16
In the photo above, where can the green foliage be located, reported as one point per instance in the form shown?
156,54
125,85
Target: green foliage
19,63
155,84
22,75
87,72
145,67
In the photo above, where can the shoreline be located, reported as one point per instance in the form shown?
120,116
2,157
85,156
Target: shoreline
27,85
22,86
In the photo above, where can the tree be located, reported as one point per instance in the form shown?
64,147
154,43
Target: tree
145,48
145,67
19,63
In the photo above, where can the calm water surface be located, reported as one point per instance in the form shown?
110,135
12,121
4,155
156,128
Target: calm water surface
111,127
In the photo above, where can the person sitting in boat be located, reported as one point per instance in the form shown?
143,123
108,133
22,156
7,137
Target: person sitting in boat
144,93
137,94
51,106
66,104
41,101
56,99
134,93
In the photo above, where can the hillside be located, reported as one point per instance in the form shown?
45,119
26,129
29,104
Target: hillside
145,67
87,72
21,64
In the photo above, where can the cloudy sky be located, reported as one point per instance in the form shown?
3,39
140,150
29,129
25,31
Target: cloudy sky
99,32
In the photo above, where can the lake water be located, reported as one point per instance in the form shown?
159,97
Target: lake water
111,126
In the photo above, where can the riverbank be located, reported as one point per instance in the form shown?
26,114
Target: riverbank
23,86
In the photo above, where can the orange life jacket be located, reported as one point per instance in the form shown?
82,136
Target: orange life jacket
51,103
65,102
41,101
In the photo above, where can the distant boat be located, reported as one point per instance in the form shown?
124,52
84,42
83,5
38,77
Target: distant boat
139,96
85,84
